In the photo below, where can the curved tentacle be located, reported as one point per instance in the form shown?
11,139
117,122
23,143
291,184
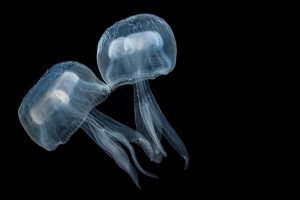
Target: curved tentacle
110,147
147,103
110,135
124,135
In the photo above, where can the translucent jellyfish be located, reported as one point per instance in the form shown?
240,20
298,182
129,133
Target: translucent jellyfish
132,51
63,101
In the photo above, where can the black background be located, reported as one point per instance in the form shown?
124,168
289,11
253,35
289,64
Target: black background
203,98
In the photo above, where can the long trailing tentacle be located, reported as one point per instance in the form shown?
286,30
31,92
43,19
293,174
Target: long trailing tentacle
112,137
151,118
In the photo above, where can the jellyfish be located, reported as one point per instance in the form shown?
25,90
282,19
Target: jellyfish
132,51
63,101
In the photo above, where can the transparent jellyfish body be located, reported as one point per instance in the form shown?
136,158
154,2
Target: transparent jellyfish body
133,51
64,100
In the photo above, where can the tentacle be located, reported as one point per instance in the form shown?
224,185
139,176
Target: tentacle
110,147
155,118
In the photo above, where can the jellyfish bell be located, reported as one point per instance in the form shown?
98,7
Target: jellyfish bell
63,101
137,48
133,51
59,103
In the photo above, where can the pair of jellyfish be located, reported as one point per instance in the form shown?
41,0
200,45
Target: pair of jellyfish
132,51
